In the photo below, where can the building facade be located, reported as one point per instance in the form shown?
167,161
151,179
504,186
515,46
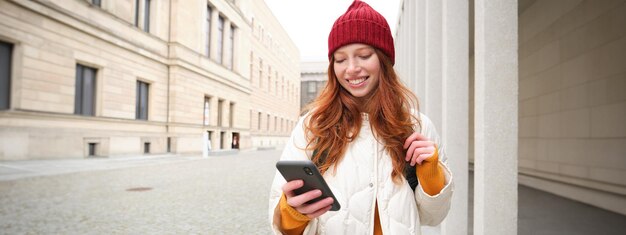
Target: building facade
86,78
314,76
274,79
535,98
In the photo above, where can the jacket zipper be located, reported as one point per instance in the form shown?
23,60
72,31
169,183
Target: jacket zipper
375,185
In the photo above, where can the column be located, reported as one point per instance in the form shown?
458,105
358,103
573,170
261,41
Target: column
496,107
455,89
433,93
420,51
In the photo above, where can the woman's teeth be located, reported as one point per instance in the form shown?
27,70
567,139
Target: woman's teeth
356,81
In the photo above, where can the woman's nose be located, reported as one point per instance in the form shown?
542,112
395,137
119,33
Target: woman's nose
353,67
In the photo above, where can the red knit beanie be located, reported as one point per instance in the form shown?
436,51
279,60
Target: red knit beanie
361,24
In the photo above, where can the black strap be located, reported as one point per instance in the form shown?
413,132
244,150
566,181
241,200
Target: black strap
411,177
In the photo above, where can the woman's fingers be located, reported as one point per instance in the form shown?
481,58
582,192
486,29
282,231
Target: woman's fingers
319,212
415,145
290,186
416,136
298,200
420,154
422,158
310,209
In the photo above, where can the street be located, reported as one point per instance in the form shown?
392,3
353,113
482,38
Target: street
216,195
192,195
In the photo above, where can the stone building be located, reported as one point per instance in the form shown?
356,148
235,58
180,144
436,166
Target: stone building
274,62
529,92
314,76
83,78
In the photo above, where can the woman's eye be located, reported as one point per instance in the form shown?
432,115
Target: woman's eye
339,60
365,56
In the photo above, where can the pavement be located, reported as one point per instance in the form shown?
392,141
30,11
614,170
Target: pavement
12,170
227,194
144,195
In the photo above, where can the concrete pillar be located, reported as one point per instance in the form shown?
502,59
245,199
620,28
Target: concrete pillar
455,88
432,94
429,54
496,88
420,53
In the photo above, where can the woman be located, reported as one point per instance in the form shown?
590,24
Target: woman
365,137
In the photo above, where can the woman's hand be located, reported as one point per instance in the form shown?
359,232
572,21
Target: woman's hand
298,202
419,149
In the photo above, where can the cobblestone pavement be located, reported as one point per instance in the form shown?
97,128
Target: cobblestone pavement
216,195
193,195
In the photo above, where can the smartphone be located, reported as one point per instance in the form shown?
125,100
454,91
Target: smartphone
307,172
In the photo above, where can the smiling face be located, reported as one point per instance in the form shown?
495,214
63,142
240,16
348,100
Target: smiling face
357,68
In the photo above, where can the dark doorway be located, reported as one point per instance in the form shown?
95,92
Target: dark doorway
5,75
222,137
209,143
146,147
235,141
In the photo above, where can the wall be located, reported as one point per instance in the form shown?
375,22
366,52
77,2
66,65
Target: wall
572,71
274,79
50,37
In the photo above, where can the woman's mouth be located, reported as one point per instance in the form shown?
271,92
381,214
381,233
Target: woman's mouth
357,81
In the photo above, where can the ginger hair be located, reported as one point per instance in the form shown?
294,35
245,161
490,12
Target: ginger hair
335,118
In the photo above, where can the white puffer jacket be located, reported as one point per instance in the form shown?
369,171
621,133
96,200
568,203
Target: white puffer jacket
364,177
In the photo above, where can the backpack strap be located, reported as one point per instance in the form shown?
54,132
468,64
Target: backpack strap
410,176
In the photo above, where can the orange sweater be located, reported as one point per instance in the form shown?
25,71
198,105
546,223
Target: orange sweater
429,173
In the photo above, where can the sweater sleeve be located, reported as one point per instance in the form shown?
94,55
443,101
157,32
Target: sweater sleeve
292,222
430,175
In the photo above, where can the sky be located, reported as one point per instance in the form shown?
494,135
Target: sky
308,22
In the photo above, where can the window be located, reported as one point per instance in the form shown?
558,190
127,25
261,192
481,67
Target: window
222,137
251,119
261,33
85,96
136,13
220,105
6,50
146,16
311,87
96,3
231,111
251,66
91,149
169,144
268,122
288,91
231,48
209,141
276,84
260,73
252,25
146,147
141,105
269,78
209,13
282,87
258,126
275,123
220,38
207,109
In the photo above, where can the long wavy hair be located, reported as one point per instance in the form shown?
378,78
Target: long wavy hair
335,118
